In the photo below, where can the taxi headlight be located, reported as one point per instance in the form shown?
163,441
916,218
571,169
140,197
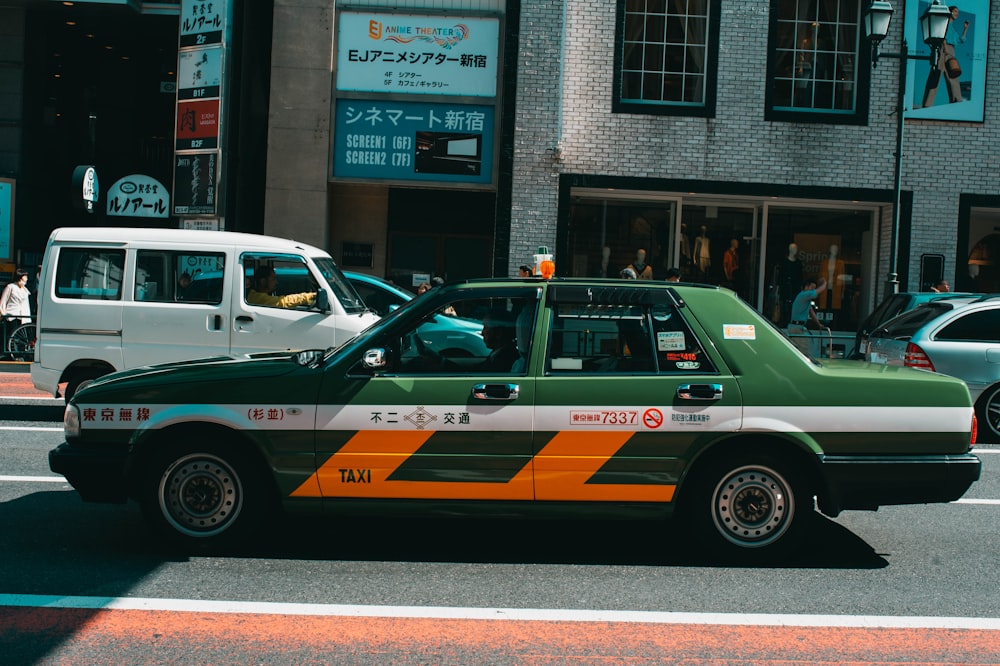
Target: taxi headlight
71,421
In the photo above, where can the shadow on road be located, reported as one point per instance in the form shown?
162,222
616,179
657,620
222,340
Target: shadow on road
35,413
95,549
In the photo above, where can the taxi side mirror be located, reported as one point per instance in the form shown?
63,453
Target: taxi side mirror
375,359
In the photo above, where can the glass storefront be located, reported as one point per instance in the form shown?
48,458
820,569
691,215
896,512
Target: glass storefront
761,250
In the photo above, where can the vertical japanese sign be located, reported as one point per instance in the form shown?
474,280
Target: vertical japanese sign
953,87
6,217
386,58
203,53
195,183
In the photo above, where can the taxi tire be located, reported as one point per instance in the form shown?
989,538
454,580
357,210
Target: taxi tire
203,495
751,505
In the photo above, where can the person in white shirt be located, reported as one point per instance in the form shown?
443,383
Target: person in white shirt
15,301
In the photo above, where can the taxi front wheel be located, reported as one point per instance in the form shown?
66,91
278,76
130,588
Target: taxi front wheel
749,504
204,496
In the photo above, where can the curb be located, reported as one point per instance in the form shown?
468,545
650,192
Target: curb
15,366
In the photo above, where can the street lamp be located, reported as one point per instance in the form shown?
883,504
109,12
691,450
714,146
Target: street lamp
933,25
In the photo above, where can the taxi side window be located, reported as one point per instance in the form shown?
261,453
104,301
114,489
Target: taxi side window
622,339
482,336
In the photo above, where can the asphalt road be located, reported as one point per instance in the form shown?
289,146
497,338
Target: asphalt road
85,583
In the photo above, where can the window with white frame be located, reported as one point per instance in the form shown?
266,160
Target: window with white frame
814,56
666,56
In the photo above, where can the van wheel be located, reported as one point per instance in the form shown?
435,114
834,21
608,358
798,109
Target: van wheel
202,495
748,504
988,415
80,381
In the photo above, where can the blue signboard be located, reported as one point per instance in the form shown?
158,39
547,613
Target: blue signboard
389,140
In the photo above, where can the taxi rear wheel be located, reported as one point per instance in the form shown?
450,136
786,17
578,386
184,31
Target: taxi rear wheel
202,496
749,504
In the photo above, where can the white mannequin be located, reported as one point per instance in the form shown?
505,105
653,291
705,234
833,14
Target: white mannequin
831,265
702,255
793,251
605,257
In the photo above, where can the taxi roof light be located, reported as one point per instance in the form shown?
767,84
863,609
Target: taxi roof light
915,357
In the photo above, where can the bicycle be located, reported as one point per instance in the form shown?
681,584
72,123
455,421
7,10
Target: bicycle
20,343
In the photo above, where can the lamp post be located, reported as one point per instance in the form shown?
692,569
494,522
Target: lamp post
933,24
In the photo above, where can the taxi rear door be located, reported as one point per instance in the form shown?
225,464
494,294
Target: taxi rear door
626,394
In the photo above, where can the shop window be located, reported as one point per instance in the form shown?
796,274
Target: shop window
666,55
815,53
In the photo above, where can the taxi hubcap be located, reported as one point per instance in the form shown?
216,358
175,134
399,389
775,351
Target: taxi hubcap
752,506
200,495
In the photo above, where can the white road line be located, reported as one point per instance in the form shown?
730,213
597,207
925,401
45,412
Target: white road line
518,614
31,428
33,479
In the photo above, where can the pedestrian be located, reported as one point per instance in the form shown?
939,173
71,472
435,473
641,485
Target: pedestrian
525,271
15,304
628,273
941,286
804,314
673,275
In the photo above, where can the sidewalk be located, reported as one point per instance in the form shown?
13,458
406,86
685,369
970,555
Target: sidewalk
15,382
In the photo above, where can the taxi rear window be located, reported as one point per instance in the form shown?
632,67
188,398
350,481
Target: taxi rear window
588,338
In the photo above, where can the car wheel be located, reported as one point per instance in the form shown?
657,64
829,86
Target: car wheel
202,495
988,416
749,504
80,381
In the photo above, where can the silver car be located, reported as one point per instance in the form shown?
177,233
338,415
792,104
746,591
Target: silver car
958,337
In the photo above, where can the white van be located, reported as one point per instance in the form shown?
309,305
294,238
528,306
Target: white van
116,298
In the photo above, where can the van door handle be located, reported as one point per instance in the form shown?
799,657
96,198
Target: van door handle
507,392
244,318
218,322
699,391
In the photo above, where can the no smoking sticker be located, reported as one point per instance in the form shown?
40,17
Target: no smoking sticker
652,418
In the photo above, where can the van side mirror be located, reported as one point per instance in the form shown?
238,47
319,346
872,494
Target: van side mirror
323,301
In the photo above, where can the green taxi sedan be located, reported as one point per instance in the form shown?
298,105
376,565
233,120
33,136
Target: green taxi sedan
595,398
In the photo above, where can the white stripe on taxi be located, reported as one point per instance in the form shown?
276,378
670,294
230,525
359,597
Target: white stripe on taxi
514,418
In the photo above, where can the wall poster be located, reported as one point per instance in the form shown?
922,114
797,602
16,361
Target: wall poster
954,88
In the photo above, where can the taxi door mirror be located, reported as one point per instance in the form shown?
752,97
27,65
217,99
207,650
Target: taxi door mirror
374,359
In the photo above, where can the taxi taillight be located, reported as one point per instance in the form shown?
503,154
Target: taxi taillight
975,431
915,357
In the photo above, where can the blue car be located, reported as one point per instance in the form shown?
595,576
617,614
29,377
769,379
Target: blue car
450,336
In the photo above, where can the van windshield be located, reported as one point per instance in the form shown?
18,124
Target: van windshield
339,286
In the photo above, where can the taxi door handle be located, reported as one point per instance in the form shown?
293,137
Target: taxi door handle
506,392
699,391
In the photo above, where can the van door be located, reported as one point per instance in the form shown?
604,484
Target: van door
177,308
274,306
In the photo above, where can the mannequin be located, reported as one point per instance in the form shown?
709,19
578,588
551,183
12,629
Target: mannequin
605,257
643,271
685,247
789,281
702,255
832,269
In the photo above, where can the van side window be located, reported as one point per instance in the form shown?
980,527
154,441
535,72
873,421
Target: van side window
90,274
163,276
291,284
